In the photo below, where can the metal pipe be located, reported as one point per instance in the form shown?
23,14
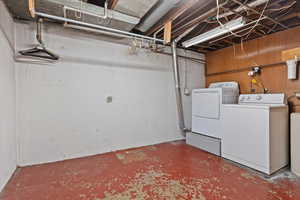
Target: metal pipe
178,88
96,31
246,69
124,36
197,60
105,10
39,27
159,30
155,35
116,31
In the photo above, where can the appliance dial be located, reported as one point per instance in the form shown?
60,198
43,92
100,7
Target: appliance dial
259,98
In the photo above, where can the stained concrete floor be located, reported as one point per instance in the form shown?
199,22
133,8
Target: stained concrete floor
165,171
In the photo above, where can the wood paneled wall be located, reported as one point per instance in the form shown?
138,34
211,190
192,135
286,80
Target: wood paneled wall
232,64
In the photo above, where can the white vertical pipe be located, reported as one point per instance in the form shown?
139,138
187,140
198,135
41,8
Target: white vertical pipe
178,88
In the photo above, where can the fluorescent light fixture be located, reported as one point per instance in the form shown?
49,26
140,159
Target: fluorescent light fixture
216,32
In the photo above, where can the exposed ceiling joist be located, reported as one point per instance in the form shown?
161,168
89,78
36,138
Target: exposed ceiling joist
172,15
31,5
289,16
112,4
279,15
197,20
168,32
189,17
257,12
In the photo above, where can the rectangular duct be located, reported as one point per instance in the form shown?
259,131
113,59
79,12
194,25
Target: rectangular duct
136,8
117,20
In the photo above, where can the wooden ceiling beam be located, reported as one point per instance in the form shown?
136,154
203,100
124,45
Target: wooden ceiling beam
290,16
168,32
195,21
172,15
228,41
31,4
283,18
202,51
112,4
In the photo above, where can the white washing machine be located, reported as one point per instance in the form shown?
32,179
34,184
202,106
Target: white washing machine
256,132
207,115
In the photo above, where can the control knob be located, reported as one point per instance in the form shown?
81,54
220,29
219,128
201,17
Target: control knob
259,98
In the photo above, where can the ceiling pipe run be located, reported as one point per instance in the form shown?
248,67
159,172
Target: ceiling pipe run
104,28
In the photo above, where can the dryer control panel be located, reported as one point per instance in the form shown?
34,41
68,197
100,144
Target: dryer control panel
262,99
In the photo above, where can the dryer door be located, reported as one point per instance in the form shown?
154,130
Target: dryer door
206,104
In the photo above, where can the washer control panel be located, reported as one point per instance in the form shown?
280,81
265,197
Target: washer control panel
262,99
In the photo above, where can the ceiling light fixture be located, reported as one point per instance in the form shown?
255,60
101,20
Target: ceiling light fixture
216,32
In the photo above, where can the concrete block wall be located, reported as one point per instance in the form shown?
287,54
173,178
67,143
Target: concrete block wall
8,147
53,112
62,108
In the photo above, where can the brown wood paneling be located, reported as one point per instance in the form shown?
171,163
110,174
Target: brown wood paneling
291,54
263,51
270,48
246,54
221,61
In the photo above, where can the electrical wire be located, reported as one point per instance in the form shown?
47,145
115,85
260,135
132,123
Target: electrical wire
243,7
286,8
247,34
260,17
246,53
253,27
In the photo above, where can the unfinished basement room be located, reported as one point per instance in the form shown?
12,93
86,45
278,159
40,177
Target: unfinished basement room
149,100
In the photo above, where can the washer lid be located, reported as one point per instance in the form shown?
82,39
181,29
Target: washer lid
233,85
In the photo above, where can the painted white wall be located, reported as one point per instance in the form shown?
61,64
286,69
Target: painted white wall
7,98
62,109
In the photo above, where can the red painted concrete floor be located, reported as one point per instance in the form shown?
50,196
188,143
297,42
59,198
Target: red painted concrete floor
165,171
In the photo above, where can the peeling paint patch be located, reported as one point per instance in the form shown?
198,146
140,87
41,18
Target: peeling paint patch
248,176
157,185
166,172
132,156
227,168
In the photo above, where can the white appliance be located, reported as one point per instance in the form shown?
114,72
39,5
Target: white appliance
207,115
295,143
256,132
